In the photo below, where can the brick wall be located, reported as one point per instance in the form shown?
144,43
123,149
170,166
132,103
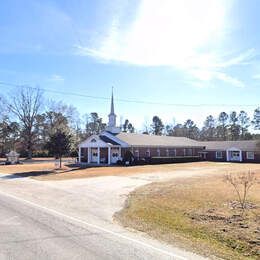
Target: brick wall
164,152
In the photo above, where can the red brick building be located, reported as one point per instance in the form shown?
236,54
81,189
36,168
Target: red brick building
232,151
111,145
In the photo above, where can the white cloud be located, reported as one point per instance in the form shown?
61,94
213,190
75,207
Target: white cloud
208,75
163,32
56,78
181,34
243,58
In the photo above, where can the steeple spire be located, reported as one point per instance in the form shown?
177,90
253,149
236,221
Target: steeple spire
112,115
112,110
111,126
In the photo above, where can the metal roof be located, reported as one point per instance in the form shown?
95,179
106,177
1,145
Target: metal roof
134,139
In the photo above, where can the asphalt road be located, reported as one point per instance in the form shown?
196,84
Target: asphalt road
73,219
28,231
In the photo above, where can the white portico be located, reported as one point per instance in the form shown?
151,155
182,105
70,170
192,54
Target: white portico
104,148
234,154
95,150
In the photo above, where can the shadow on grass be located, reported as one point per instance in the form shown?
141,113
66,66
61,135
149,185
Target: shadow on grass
71,168
40,173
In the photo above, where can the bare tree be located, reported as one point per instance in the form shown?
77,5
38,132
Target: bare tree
242,182
25,105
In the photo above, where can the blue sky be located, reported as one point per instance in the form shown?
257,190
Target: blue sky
178,52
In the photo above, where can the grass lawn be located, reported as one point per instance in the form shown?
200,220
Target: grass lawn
45,171
199,212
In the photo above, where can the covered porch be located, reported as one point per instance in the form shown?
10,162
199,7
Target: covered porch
234,155
96,151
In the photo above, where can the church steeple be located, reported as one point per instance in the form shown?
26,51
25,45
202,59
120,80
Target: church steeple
112,109
112,115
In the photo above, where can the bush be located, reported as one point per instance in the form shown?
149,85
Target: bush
161,160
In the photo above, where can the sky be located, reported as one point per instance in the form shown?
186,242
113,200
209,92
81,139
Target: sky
180,59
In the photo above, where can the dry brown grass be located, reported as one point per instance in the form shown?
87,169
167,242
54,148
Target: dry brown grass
75,172
18,168
197,212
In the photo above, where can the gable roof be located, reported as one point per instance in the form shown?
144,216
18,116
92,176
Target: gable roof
108,140
133,139
247,145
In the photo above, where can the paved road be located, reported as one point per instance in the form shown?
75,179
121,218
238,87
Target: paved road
73,219
31,232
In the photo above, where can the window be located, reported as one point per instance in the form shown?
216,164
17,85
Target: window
172,152
93,141
158,152
147,154
219,155
188,152
250,155
137,153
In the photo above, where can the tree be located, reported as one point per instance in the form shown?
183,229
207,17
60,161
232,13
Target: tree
94,124
25,105
9,134
191,130
242,183
128,127
222,126
244,123
208,130
169,129
178,130
157,126
46,125
59,144
234,128
256,119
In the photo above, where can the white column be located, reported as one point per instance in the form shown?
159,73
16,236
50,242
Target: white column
227,155
79,154
240,156
88,154
109,155
120,151
98,155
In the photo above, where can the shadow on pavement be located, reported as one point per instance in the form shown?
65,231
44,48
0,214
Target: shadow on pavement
26,174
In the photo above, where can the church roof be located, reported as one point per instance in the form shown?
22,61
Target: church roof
134,139
245,145
108,140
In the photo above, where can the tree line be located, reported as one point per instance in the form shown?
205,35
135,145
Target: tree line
34,127
233,126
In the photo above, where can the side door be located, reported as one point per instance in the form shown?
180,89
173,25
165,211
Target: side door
115,156
94,155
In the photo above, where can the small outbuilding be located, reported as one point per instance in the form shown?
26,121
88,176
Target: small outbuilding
12,157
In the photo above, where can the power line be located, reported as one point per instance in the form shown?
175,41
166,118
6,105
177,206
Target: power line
127,100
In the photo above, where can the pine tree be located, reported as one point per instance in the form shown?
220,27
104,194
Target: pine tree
256,119
157,126
222,126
